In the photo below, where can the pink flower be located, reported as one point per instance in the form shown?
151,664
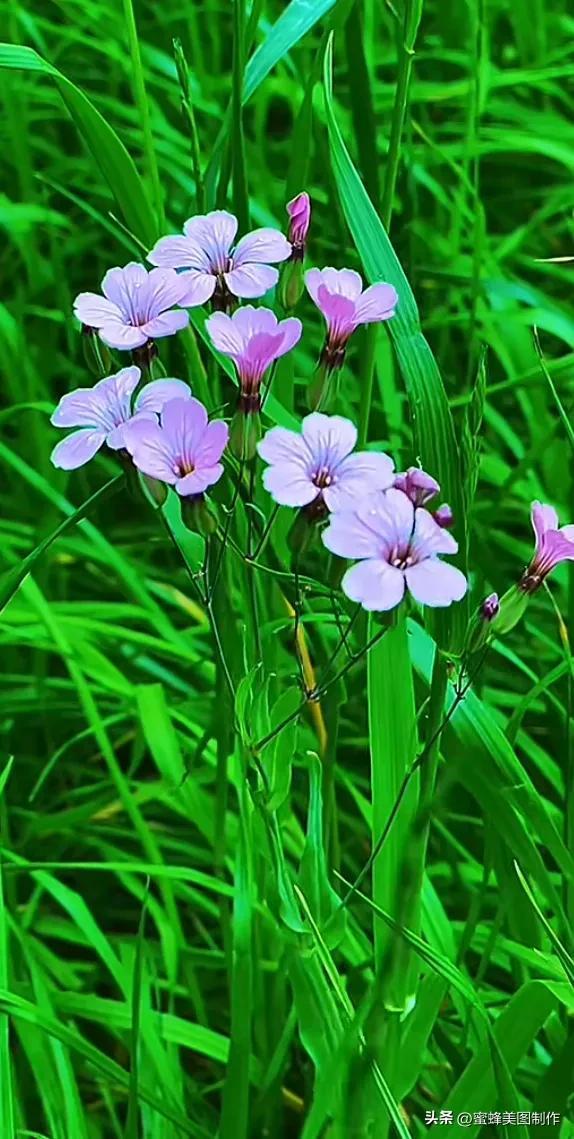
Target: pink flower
137,306
317,465
338,294
419,486
299,210
398,547
184,449
553,546
103,411
253,338
215,267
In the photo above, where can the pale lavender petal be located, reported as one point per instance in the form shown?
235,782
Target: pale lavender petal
122,335
117,439
435,583
567,532
166,324
543,518
249,320
163,289
213,444
153,396
289,485
81,408
345,282
93,310
329,438
378,302
279,445
199,288
429,538
262,246
349,536
214,233
291,329
151,449
357,476
119,285
184,422
251,280
77,449
225,334
375,584
391,515
176,252
313,280
198,481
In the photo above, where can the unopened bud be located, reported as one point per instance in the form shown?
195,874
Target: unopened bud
299,210
323,389
291,284
96,354
490,607
480,629
511,609
244,434
444,516
197,515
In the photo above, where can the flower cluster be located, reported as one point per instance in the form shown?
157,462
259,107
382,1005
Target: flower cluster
378,518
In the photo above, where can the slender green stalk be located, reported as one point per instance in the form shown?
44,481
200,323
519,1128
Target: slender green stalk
366,380
412,15
240,188
142,104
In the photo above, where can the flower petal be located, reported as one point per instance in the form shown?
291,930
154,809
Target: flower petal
213,444
349,536
251,280
214,233
77,449
153,396
378,302
122,335
375,584
249,321
177,252
543,518
288,484
198,481
359,475
339,312
279,445
77,409
344,282
435,583
429,538
163,289
167,324
330,438
150,448
262,246
391,515
200,288
292,330
225,334
184,422
119,284
94,311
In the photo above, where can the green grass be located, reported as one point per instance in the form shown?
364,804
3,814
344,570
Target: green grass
174,956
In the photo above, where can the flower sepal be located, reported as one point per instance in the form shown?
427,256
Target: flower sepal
197,515
512,608
291,285
154,490
244,435
324,387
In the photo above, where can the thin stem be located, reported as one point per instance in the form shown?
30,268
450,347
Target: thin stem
367,377
413,9
265,535
142,103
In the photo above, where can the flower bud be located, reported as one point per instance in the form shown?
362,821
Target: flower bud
444,517
323,389
512,607
299,210
96,354
197,515
291,284
244,434
480,629
490,607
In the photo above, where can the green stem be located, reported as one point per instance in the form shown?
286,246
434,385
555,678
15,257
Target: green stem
142,104
413,12
366,379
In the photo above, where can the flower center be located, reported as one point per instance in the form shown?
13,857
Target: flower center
323,478
402,559
184,467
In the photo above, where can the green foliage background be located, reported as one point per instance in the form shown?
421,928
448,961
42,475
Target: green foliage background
173,958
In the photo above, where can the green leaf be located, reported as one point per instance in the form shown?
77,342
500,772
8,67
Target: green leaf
111,156
294,22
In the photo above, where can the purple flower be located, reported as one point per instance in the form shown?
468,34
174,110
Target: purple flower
338,294
137,306
253,338
444,516
299,210
554,544
398,545
318,464
490,607
215,265
103,411
419,486
183,450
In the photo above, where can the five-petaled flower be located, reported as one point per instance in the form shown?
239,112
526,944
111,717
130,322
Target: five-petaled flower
339,295
317,466
137,306
183,449
299,211
103,411
398,546
554,544
253,338
217,269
